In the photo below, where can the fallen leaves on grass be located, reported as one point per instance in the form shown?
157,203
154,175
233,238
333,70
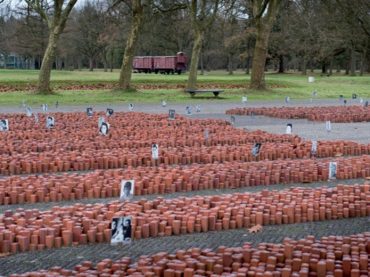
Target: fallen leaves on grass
112,85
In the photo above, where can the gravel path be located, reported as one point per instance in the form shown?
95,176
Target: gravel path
49,205
358,132
68,257
209,107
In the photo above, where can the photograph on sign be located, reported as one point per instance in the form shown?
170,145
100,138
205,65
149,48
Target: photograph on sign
155,151
101,120
256,149
104,128
289,128
127,189
313,147
171,114
36,117
197,108
328,126
4,125
29,111
131,107
121,230
89,111
188,110
232,119
109,112
332,170
45,107
50,122
164,103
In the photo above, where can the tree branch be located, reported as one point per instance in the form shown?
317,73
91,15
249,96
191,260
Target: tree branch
172,8
263,8
37,7
67,11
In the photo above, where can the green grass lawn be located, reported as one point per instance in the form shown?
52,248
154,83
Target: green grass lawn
280,85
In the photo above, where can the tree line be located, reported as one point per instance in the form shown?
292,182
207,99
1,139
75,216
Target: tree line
251,35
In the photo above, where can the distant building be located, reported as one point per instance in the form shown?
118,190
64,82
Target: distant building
15,61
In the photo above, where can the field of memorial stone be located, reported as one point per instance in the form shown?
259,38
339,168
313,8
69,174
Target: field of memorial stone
215,190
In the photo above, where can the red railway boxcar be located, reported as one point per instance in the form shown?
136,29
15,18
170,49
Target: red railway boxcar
161,64
143,64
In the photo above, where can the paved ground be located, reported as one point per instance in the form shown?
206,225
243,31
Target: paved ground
307,129
358,131
47,206
210,107
70,256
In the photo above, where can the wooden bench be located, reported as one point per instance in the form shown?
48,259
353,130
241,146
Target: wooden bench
215,92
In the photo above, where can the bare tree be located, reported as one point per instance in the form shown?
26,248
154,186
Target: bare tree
56,15
91,27
137,10
264,14
202,14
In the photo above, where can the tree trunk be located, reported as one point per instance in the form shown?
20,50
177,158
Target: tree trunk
105,61
323,68
47,62
247,65
259,59
281,64
128,57
264,21
111,59
91,64
304,66
331,66
201,63
192,80
230,64
5,60
58,63
353,62
304,61
363,59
